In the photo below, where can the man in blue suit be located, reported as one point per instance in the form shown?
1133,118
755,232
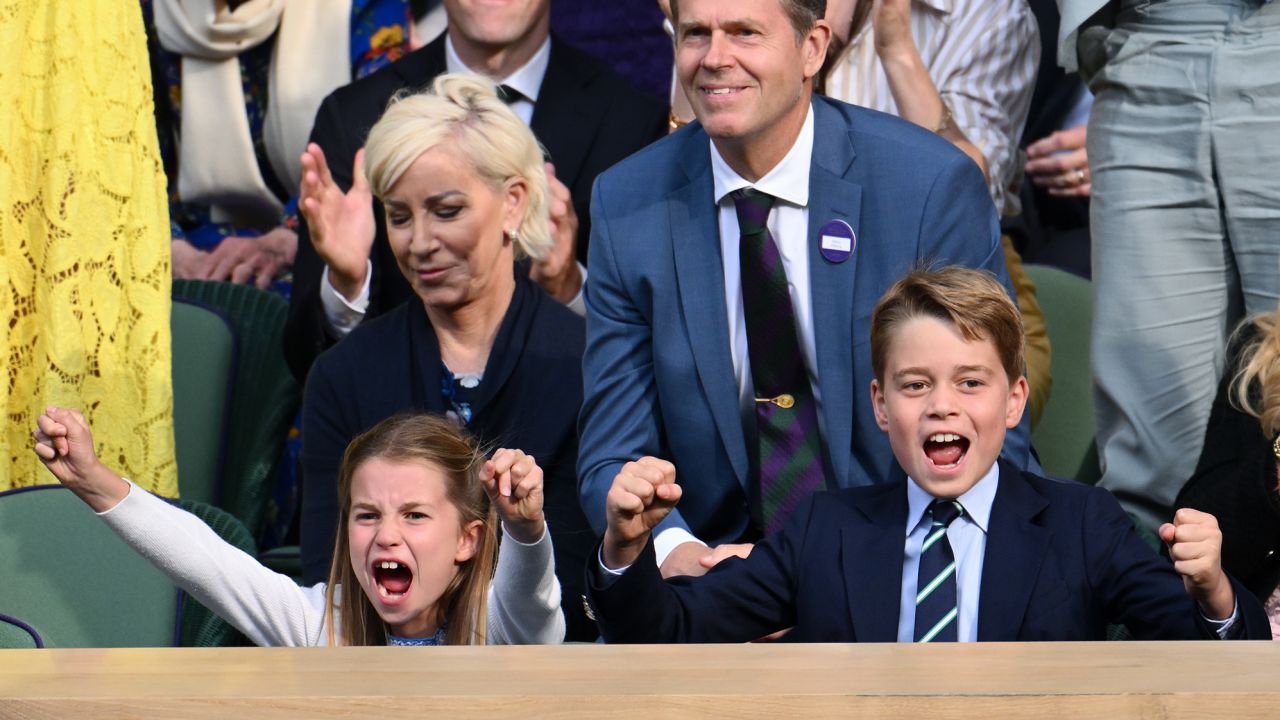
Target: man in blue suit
683,308
965,549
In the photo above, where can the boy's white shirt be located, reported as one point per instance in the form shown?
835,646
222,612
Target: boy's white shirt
968,538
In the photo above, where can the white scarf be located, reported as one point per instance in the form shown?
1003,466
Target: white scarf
312,57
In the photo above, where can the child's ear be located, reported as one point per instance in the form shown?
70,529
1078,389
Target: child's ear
469,542
877,404
1017,403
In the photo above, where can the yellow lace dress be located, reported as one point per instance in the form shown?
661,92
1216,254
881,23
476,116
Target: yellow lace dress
84,238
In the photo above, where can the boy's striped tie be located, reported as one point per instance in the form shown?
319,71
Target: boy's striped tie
936,587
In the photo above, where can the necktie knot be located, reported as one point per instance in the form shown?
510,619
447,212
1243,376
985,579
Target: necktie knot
753,209
944,512
508,94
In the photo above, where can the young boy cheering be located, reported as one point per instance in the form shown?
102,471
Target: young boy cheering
965,549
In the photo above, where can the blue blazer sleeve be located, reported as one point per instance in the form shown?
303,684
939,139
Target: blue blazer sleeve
739,600
620,419
1139,589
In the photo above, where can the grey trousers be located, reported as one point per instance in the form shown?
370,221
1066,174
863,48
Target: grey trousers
1184,150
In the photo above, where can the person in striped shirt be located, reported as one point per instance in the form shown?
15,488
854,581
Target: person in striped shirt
963,68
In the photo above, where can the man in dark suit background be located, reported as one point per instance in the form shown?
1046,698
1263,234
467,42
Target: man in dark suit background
583,113
673,336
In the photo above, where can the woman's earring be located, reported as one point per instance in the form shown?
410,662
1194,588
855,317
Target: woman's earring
513,236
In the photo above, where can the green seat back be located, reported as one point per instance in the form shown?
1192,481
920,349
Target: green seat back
203,361
285,559
200,627
17,634
264,398
66,573
1064,437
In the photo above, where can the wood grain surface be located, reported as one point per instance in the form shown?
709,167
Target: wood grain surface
1205,680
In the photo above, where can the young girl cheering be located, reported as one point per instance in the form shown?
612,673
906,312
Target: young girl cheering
418,505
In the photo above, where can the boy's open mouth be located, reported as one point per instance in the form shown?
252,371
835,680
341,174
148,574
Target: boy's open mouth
393,579
946,450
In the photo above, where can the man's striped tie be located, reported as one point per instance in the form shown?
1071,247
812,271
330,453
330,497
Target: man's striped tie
786,464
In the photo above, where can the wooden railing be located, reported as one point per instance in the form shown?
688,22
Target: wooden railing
1050,681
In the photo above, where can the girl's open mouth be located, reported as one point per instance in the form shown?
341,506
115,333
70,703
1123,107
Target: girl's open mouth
392,578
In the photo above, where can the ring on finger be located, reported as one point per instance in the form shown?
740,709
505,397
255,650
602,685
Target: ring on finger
1080,175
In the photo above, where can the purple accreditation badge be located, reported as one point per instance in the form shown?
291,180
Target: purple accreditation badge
837,241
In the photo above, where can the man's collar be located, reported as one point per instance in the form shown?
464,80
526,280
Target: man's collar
787,181
977,501
527,80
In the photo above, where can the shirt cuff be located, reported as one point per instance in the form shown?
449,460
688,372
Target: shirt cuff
1223,627
344,315
578,304
608,572
669,539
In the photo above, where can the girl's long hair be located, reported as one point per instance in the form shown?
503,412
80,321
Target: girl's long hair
1256,387
417,438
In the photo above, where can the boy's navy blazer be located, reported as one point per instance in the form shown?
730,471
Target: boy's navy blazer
1062,562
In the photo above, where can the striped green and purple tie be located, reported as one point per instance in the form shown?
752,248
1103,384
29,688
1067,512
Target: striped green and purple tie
787,462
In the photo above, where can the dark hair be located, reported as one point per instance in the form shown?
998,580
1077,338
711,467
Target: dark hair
802,14
971,300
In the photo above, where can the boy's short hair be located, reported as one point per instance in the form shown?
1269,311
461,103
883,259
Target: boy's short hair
971,300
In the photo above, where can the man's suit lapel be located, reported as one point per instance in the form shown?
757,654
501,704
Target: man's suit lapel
833,197
565,113
871,553
420,68
695,241
1015,550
